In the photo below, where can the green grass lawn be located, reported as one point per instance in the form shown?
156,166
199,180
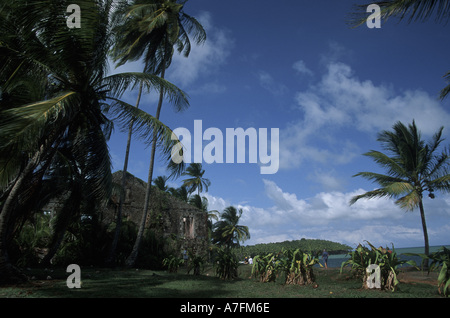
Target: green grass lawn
106,283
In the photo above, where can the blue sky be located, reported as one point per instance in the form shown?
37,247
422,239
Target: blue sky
329,89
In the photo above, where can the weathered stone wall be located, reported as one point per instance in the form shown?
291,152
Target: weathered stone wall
167,216
182,225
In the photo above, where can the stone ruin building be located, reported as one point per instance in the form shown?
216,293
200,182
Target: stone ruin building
184,225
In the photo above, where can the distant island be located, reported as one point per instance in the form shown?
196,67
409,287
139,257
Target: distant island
307,245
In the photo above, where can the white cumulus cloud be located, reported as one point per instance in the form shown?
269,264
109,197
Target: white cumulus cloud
341,103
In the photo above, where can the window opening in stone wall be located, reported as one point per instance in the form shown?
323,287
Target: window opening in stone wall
188,227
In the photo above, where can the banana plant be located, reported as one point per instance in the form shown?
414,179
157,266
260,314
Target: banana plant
297,266
439,259
300,269
173,263
266,267
362,257
442,257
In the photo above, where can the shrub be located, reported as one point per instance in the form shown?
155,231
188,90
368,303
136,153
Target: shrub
33,237
172,263
226,263
195,263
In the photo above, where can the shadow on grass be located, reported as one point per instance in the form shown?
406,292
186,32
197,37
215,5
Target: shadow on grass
106,283
130,283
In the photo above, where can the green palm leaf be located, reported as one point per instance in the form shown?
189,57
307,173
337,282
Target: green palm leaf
122,82
411,10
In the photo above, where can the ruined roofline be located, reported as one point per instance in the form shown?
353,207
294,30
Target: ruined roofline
131,177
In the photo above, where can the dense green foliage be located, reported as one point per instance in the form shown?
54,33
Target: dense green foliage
58,108
307,245
172,263
85,243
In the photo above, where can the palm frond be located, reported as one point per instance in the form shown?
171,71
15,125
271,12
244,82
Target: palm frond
411,10
446,90
378,193
144,125
410,201
23,127
398,188
441,183
393,166
119,83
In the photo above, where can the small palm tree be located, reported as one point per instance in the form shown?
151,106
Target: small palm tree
161,183
196,182
413,167
201,203
180,193
227,231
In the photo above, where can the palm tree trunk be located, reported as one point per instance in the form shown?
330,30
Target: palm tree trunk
112,252
7,271
131,260
64,218
425,234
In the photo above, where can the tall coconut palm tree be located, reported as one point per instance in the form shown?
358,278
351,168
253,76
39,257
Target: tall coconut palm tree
413,167
227,232
151,30
196,180
130,44
411,10
68,113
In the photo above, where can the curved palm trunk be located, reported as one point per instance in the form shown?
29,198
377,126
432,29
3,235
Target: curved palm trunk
112,252
425,234
131,260
71,206
7,271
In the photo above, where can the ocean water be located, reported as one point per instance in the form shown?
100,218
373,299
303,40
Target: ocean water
337,260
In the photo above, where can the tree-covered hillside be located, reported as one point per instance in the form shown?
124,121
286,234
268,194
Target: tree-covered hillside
308,245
